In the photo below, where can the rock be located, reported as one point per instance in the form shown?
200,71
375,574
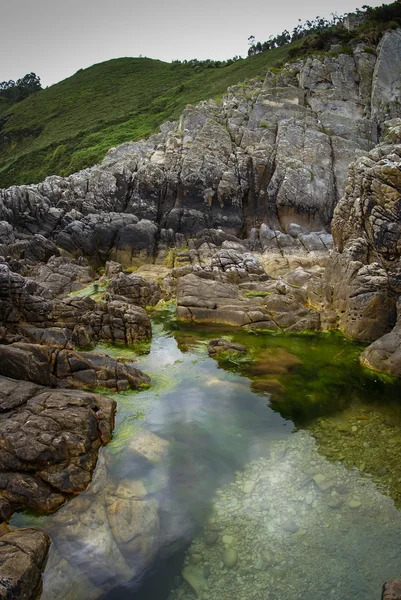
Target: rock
195,579
61,275
23,557
52,440
248,487
149,445
201,300
289,526
216,346
322,483
268,556
384,354
392,590
134,290
195,559
230,558
23,307
68,369
210,538
364,274
228,540
335,502
354,503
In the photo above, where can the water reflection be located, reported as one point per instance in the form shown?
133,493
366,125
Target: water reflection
181,442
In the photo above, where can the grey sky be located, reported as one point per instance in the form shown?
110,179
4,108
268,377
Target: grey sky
55,38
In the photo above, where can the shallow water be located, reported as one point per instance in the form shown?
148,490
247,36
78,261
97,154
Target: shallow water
278,417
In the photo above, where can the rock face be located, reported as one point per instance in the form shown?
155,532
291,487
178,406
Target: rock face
23,557
384,354
24,307
273,153
364,277
68,369
274,307
49,443
134,290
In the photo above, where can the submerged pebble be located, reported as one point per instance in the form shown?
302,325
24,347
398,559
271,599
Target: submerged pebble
230,558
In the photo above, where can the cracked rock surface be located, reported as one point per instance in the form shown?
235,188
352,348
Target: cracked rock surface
49,443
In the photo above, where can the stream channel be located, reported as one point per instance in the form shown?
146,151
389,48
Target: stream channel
271,475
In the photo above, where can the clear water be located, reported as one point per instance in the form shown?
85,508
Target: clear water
232,447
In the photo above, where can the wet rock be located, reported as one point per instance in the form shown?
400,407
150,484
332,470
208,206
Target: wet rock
195,579
201,300
228,540
68,369
134,290
23,557
230,558
268,556
149,445
210,538
322,483
216,346
290,526
50,442
392,590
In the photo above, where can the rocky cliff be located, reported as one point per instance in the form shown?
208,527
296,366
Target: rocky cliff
272,153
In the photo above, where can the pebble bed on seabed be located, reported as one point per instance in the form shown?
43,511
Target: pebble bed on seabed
294,526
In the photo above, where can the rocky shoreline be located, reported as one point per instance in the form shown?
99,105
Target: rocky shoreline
244,212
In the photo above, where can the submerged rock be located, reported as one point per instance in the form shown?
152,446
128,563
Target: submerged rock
195,578
230,558
216,346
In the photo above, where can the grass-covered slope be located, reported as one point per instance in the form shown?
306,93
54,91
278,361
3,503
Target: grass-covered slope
71,125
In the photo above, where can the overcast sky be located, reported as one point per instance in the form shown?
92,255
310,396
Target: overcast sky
55,38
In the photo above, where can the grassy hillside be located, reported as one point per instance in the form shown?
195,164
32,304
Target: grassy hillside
72,124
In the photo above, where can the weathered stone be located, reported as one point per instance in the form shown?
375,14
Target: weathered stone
23,557
65,368
216,346
49,442
392,590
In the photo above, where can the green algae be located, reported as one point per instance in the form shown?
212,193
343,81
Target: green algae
367,439
256,294
95,290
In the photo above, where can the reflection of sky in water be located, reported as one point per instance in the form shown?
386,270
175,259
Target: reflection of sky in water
215,425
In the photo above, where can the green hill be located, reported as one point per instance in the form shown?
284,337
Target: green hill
71,125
